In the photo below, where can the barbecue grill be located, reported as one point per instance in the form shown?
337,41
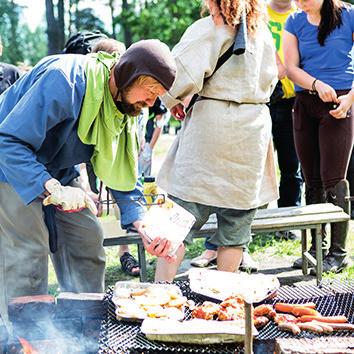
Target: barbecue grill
332,298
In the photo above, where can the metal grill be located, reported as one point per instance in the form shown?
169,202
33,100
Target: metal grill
334,298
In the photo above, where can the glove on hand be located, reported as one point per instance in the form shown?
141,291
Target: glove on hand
68,198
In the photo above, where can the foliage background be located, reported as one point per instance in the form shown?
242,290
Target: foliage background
132,20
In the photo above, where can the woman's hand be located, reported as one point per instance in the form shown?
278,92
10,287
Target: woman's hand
326,92
158,247
341,111
178,111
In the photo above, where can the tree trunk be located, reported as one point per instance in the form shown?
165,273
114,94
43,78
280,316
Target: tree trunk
128,37
51,27
55,27
61,25
111,8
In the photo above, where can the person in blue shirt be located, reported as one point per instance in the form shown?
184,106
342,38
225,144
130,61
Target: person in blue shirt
67,110
318,48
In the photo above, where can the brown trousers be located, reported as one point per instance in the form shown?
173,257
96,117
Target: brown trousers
323,143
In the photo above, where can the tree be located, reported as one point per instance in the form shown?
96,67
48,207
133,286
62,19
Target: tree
88,21
163,19
55,26
111,8
34,44
10,31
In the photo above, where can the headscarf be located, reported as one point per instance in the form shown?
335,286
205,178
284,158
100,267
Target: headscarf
147,57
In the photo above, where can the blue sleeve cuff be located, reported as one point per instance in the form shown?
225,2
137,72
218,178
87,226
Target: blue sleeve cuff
132,216
130,205
34,190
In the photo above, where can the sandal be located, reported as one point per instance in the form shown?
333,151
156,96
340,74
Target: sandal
128,263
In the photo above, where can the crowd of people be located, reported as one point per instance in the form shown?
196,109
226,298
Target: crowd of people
81,108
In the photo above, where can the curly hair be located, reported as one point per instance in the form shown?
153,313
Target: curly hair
231,11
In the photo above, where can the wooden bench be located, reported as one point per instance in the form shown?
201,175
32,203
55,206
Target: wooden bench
266,220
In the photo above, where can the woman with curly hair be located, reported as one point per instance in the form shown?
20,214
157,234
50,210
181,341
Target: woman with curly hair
222,160
318,49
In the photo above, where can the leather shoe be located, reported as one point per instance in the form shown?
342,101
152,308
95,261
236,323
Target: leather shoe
332,263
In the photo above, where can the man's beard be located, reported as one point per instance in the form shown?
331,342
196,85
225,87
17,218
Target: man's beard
132,109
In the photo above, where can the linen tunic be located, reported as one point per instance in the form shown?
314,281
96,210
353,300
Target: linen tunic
223,155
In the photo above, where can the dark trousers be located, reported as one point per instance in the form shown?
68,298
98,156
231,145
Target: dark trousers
323,143
288,162
350,178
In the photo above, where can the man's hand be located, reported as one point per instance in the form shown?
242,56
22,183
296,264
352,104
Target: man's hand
68,198
158,247
178,111
341,110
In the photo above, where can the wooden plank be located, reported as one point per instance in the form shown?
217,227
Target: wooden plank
299,220
266,220
312,209
126,239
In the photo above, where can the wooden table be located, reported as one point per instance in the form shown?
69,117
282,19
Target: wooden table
266,221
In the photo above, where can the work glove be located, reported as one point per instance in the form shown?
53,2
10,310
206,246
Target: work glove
68,199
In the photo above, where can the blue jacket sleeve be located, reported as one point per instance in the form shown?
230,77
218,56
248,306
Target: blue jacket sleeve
46,103
130,205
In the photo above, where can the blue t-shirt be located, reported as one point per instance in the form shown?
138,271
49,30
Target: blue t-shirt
331,63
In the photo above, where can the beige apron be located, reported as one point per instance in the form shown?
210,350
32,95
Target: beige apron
223,155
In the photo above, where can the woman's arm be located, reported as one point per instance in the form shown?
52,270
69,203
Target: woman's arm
301,77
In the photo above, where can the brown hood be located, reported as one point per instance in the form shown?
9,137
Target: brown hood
147,57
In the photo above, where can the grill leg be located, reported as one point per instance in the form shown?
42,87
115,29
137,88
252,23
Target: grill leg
319,260
305,262
142,262
248,329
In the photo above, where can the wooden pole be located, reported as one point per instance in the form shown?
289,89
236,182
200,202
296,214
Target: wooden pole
248,329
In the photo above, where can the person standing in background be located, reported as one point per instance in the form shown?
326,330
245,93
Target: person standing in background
350,178
318,49
281,113
153,129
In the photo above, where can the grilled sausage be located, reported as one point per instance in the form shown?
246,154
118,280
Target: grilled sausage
295,309
326,319
341,326
326,327
289,327
309,326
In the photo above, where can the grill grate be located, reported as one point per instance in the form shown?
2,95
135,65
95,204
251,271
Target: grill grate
334,298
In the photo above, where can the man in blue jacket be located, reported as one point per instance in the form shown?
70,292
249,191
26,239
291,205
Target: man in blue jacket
67,110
